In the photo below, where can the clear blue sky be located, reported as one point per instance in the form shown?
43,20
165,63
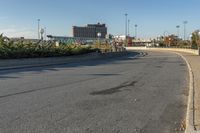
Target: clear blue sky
19,17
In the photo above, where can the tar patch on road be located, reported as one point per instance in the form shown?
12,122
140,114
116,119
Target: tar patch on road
114,89
104,74
158,66
182,64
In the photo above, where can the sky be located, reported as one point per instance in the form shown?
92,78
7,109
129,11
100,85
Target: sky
154,17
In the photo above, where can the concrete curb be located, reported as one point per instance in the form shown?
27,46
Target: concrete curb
190,125
42,62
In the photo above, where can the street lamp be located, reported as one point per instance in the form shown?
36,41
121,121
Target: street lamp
42,32
38,29
178,26
99,36
136,31
45,33
126,28
184,23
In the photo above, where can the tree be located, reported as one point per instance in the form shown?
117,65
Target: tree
171,40
195,39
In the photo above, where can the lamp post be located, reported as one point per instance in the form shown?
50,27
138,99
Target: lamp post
184,23
41,32
45,33
178,27
38,29
99,36
136,31
126,29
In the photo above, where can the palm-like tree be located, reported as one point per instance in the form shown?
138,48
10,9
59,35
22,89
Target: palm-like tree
195,38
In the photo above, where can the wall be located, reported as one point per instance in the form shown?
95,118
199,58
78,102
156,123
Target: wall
192,51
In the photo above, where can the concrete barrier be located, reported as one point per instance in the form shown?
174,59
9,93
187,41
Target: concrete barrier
192,51
7,64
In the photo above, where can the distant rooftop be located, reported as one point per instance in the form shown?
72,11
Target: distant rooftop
93,25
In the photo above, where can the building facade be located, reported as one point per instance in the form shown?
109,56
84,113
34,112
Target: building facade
90,31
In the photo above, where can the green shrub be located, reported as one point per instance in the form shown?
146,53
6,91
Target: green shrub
20,49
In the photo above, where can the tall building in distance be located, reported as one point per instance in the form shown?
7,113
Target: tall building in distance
90,31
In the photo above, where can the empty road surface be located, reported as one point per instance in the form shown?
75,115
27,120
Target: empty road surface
123,95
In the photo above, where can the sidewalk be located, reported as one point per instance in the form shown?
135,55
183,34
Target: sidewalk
194,62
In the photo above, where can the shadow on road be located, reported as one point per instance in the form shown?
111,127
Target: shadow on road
41,69
114,89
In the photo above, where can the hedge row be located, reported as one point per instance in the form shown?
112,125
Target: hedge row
13,50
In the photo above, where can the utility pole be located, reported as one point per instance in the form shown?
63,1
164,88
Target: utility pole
38,29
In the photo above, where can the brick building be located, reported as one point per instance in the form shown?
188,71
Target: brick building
90,31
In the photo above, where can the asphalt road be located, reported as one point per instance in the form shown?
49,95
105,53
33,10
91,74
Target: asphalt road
124,95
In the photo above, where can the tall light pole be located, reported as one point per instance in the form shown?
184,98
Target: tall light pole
136,31
184,23
45,33
126,28
178,27
38,29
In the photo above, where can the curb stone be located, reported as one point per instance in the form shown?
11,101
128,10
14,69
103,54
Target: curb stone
190,128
